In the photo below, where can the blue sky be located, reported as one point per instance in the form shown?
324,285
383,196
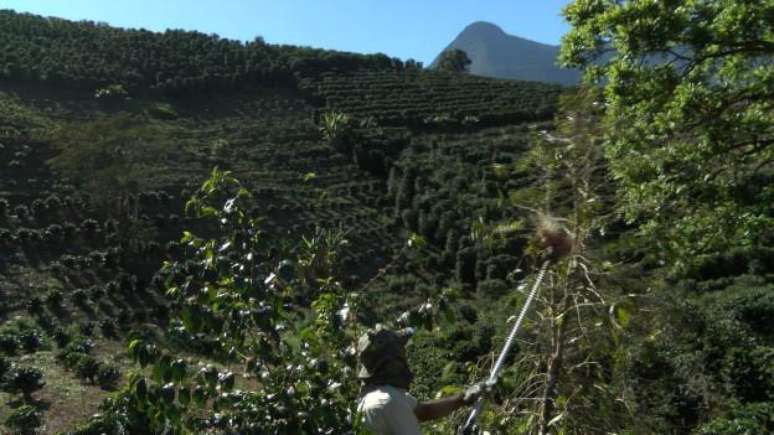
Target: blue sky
417,29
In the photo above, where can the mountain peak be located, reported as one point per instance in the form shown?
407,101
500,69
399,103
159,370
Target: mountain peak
484,28
494,53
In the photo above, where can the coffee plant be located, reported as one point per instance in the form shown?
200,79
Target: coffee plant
24,420
228,300
23,380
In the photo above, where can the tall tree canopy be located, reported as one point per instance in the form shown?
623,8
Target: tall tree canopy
690,120
454,60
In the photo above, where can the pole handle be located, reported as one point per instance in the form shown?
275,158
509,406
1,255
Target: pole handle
466,428
507,347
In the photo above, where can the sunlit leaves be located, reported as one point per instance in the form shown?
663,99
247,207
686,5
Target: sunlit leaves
143,353
337,129
688,113
227,310
416,241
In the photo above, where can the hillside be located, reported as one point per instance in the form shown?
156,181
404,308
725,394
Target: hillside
495,53
94,185
195,231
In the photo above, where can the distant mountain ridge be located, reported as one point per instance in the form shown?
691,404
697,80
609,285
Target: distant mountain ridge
495,53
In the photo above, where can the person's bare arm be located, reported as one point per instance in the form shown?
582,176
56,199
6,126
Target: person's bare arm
440,408
433,409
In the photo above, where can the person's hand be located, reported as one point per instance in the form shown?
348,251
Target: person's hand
473,392
549,254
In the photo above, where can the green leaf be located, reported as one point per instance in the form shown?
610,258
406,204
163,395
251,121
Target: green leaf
134,349
199,395
184,396
179,370
168,393
141,390
623,316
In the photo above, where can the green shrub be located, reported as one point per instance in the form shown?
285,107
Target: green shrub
9,344
468,313
30,340
493,288
108,328
54,298
5,365
736,261
61,337
108,376
24,420
24,380
466,266
34,305
80,297
748,419
86,367
751,304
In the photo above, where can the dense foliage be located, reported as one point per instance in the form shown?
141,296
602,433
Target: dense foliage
234,303
94,55
688,136
688,88
433,100
227,309
81,244
453,60
372,190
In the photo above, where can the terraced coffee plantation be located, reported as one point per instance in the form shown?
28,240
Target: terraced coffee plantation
195,232
77,268
421,99
82,240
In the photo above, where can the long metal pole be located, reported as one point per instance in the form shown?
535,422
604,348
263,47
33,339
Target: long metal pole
507,347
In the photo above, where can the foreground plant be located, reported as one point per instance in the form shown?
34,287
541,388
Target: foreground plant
229,305
687,87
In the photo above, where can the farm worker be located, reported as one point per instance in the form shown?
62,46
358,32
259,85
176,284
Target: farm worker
385,405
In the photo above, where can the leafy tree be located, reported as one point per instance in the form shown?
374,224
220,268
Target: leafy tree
454,60
688,136
690,115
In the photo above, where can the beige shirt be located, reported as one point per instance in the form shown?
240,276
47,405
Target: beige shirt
389,411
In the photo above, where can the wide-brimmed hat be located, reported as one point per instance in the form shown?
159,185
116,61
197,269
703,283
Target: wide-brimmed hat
379,346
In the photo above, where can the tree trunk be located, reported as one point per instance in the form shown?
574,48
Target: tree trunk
553,372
